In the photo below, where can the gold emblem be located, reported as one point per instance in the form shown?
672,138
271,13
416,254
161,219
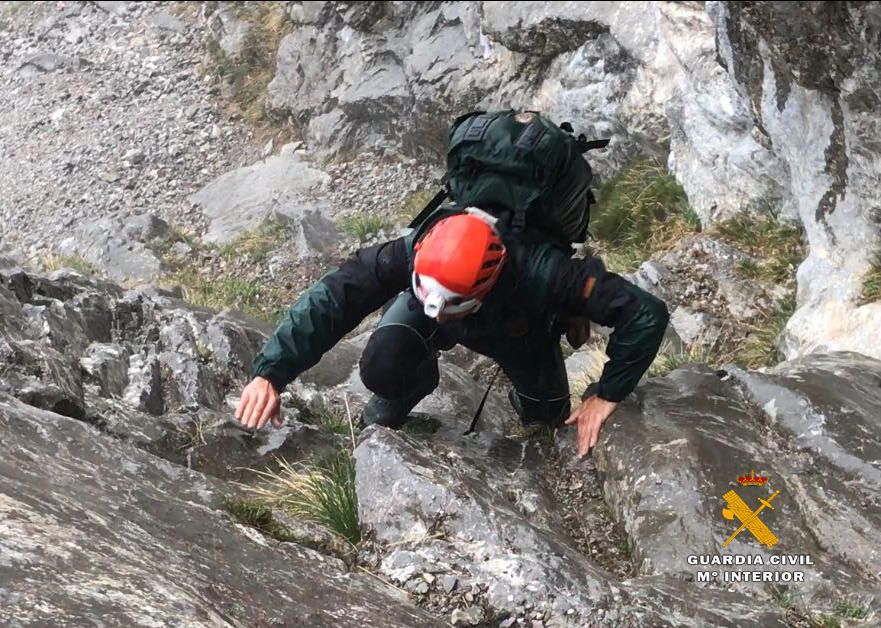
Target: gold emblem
749,518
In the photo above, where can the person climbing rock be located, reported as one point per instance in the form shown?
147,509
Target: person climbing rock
492,270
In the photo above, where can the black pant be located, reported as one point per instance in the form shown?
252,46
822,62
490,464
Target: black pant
400,360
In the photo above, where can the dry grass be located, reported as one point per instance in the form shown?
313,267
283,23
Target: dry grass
872,282
52,263
322,491
760,347
218,293
639,212
206,287
250,72
778,248
697,352
414,203
257,243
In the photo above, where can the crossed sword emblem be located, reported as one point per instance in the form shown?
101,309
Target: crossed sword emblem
749,518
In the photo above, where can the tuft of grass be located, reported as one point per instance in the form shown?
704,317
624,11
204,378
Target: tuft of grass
872,282
334,420
760,346
228,292
697,353
256,244
363,226
748,269
256,514
785,597
76,262
322,491
778,247
204,353
640,211
848,609
413,203
249,73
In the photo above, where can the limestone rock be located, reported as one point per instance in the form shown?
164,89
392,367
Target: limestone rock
243,199
690,435
74,527
118,246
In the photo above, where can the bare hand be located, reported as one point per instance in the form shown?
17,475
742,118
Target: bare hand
589,417
259,403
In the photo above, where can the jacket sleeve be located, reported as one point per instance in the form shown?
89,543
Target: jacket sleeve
331,308
583,287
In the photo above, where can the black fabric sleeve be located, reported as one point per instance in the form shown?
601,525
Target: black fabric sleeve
331,308
639,319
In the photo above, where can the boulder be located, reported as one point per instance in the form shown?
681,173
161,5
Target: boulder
669,456
275,188
161,550
118,246
481,515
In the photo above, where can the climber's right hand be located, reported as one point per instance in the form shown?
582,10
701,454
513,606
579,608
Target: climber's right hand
259,403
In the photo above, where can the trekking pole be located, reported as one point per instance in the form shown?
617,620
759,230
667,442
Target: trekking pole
482,403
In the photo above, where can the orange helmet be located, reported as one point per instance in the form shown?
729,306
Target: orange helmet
457,263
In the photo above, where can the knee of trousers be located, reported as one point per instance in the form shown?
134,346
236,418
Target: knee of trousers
396,363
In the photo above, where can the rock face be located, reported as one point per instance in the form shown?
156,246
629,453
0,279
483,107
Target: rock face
816,103
482,517
160,551
810,428
474,528
144,368
243,199
720,91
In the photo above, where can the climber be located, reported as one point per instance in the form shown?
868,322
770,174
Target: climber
465,276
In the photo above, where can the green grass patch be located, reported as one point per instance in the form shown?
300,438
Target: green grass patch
333,420
847,609
255,244
785,597
322,491
760,346
640,211
414,203
778,247
364,226
249,73
78,263
872,282
256,514
748,269
668,360
228,292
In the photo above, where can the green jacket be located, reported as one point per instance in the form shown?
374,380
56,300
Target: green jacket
541,282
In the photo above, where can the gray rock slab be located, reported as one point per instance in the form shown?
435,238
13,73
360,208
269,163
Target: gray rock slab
161,551
242,199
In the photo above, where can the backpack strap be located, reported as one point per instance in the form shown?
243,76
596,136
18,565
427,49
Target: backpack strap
584,145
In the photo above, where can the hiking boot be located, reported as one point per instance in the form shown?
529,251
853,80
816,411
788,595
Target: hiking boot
386,412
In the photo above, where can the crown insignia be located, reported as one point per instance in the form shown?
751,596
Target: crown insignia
752,479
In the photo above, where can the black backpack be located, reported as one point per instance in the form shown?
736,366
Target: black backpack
522,168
